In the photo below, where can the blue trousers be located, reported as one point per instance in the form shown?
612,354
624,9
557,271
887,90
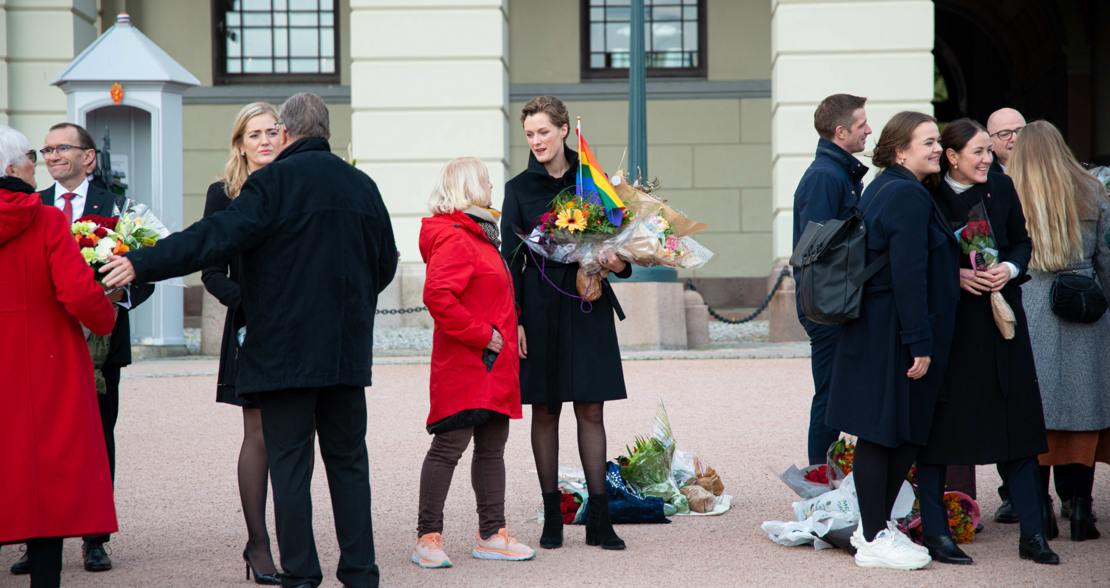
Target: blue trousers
1025,483
822,344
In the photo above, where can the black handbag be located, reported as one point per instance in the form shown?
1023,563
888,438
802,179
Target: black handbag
1077,298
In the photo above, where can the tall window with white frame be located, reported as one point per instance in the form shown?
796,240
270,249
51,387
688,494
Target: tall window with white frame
275,41
674,38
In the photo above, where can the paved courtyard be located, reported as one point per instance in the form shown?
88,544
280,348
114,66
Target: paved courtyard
181,523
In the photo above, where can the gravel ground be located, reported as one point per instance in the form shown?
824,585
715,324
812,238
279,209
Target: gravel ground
181,523
750,332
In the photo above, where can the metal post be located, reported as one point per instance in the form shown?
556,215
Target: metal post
637,96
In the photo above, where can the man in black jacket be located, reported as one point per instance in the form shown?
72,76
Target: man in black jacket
829,189
1003,125
316,248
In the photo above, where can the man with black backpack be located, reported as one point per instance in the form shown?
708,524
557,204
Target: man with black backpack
829,190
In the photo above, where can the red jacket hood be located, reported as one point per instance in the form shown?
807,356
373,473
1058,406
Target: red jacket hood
431,227
17,210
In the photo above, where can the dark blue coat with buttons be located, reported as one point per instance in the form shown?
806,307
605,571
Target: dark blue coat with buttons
908,311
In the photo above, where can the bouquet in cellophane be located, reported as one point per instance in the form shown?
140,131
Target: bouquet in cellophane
658,235
977,242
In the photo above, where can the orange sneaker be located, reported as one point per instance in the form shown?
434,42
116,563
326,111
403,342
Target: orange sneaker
429,552
502,546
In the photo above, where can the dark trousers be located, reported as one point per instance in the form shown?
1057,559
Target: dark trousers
822,344
1025,478
109,413
1061,477
44,555
487,475
337,415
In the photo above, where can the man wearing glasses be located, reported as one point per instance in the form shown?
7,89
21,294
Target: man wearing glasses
1004,126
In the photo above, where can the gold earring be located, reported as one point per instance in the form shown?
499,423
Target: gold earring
955,166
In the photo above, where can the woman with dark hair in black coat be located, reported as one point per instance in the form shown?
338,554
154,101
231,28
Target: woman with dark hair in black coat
990,409
567,353
889,362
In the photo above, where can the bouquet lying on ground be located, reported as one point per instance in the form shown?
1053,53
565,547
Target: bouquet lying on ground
978,243
963,517
841,457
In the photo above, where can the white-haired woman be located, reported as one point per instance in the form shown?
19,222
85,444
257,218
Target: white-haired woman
254,143
475,385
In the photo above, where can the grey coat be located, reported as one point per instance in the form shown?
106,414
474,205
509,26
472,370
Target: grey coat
1073,359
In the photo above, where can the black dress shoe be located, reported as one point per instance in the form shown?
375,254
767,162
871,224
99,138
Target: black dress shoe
96,557
1082,521
1051,531
552,535
1006,514
1036,548
21,567
943,549
268,579
599,529
1066,508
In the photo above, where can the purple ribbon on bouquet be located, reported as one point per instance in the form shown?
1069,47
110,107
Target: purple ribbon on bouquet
542,265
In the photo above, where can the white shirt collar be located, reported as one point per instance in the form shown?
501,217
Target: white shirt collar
81,191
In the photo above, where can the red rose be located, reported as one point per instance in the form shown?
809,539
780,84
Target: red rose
985,227
568,518
85,242
101,232
110,222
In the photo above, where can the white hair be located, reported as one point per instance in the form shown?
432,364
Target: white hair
461,184
13,145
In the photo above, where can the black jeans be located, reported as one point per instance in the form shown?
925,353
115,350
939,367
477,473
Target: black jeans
337,414
44,555
822,344
1025,484
109,413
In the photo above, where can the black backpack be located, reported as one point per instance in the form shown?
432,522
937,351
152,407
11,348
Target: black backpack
833,258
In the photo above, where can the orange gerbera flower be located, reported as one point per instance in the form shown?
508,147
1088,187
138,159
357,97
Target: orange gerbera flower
571,220
120,249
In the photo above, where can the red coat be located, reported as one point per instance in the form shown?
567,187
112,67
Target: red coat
56,481
468,293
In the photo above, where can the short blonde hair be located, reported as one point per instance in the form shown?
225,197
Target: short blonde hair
460,185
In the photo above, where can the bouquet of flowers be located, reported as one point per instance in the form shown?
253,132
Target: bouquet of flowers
658,235
840,457
648,466
808,482
978,243
963,517
572,507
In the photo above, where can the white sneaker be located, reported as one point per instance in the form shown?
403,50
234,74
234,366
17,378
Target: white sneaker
857,539
904,540
885,551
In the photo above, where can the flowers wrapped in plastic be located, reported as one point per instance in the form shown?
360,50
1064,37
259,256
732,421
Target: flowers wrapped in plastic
840,458
978,243
963,518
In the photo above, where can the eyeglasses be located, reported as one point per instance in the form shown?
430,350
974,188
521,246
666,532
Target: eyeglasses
31,155
1005,135
60,149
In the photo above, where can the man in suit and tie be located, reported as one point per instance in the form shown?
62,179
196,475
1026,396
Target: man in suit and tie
69,151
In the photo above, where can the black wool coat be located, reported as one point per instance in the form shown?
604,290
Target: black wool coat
990,407
316,248
908,311
101,202
573,353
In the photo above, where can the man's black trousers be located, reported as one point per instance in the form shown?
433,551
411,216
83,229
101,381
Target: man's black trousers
109,413
337,414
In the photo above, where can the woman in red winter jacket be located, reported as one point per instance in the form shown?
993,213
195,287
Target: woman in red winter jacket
475,384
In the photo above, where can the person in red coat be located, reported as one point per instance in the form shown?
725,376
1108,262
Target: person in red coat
56,482
475,375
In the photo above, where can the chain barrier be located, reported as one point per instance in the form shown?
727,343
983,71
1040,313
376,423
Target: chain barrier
750,317
402,310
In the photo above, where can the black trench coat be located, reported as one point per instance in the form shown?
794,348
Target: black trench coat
572,355
989,409
909,309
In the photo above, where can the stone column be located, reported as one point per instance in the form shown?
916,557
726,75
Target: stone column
881,50
429,83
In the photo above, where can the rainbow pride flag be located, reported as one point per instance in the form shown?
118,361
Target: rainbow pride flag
593,185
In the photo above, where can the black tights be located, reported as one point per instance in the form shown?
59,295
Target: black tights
879,473
591,444
1082,479
254,472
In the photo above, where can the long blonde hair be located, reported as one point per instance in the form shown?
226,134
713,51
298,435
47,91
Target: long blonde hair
236,171
461,184
1055,193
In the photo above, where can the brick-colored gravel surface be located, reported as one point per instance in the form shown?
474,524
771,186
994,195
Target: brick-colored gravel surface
181,524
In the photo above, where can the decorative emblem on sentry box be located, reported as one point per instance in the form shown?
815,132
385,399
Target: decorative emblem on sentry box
117,93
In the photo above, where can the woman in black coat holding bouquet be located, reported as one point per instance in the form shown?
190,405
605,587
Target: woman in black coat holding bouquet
567,353
890,361
989,410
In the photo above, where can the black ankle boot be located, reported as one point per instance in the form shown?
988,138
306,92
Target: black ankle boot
1051,531
1036,548
943,549
1082,522
552,537
599,530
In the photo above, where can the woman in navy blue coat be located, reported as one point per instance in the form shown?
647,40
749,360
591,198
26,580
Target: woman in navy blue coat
890,361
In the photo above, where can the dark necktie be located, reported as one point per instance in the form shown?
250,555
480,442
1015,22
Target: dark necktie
67,208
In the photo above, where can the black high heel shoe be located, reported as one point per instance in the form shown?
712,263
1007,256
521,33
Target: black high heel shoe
1051,530
268,579
599,529
552,536
1082,520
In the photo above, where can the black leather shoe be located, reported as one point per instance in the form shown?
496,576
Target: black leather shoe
21,567
1082,523
268,579
1066,507
1051,531
552,536
1006,514
943,549
96,557
599,529
1036,548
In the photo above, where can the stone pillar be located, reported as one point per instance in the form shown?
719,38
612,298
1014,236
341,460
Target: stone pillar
885,54
212,319
429,83
656,315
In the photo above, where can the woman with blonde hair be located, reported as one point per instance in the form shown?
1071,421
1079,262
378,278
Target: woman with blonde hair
254,143
1066,212
474,384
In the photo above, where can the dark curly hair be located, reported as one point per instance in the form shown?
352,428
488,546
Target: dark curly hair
897,134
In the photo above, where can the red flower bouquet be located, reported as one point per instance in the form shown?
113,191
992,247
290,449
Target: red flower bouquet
978,243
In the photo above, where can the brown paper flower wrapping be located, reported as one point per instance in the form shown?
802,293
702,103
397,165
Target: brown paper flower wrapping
1003,315
589,285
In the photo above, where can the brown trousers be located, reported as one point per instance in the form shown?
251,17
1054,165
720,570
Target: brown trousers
487,475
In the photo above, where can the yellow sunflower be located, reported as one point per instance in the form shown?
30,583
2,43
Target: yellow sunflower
571,220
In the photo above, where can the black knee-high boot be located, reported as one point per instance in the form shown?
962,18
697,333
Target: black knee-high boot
552,536
599,529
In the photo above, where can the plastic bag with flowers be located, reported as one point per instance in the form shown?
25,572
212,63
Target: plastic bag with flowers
658,235
840,458
978,244
963,518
